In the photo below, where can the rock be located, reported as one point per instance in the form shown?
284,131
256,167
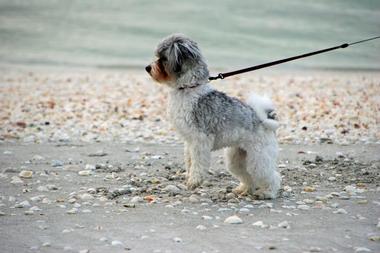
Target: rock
201,227
23,204
38,158
193,199
136,199
86,196
85,172
374,238
72,211
331,179
233,220
42,188
90,167
26,174
56,163
206,217
260,224
2,213
315,249
303,207
177,239
340,211
29,212
46,244
362,249
35,209
171,189
117,243
309,189
98,153
284,224
84,251
16,180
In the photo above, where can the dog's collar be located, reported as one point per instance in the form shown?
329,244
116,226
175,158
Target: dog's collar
190,87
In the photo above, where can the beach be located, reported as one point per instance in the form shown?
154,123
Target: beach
90,163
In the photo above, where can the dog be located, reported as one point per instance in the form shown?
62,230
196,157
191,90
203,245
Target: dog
209,120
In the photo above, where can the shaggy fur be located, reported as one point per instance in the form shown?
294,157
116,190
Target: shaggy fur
210,120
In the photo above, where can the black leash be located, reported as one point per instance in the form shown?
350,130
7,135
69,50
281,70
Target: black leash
240,71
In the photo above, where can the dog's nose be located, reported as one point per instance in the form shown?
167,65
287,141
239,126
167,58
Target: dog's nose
148,68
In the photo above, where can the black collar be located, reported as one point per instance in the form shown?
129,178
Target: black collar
189,87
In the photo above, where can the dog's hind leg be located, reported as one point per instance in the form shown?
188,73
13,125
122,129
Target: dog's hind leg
236,160
262,164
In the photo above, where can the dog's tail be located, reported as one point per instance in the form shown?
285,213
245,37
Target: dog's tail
264,108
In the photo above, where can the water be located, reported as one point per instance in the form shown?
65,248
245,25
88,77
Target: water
231,33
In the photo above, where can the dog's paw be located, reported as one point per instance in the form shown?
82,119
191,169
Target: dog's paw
242,190
261,195
193,182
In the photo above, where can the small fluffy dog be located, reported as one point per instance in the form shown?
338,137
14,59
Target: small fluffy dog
210,120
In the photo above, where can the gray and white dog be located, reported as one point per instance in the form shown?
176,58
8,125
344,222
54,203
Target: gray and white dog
209,120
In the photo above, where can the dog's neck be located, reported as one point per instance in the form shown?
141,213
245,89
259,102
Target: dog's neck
195,85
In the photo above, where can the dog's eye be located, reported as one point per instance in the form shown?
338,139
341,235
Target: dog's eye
163,59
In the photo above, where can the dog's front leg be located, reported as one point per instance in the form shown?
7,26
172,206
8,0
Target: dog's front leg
200,153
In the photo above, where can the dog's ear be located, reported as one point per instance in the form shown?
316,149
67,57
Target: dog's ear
183,52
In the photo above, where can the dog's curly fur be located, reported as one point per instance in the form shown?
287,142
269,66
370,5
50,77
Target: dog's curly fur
209,120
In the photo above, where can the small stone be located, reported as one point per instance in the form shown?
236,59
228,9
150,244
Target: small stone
233,220
362,249
84,172
46,244
26,174
340,211
315,249
23,204
193,199
29,212
72,211
86,196
260,224
171,189
331,179
98,153
303,207
136,199
284,224
374,238
206,217
177,239
309,189
38,158
117,243
201,227
362,202
56,163
35,209
2,214
84,251
42,188
90,167
16,180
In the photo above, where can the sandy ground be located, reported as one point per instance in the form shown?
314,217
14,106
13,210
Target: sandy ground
133,199
89,163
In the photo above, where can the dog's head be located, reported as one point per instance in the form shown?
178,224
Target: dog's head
180,63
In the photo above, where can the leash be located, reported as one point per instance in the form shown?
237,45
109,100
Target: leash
265,65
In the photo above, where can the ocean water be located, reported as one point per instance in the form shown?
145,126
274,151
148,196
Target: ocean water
231,33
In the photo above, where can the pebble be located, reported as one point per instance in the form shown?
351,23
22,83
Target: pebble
16,180
56,163
340,211
177,239
315,249
201,227
260,224
171,189
23,204
2,213
84,251
331,179
42,188
284,224
303,207
309,189
233,220
72,211
29,212
206,217
117,243
193,199
136,199
26,174
85,172
374,238
86,196
362,249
